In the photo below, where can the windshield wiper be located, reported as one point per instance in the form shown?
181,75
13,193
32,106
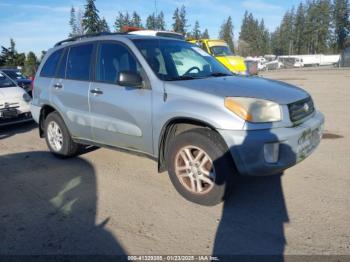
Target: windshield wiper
218,74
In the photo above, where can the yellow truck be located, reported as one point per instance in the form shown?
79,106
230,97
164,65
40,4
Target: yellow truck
221,51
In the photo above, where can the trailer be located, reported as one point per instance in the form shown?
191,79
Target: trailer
319,60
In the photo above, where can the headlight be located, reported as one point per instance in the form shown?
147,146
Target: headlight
253,109
26,97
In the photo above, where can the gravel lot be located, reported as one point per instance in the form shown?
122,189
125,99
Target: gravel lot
110,202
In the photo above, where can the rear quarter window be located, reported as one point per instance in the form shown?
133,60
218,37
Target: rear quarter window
50,66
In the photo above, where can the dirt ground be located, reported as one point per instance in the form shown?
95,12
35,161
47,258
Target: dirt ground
110,202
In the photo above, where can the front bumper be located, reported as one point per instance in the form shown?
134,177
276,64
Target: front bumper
20,118
295,144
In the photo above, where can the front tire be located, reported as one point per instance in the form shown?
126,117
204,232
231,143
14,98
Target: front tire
200,166
58,138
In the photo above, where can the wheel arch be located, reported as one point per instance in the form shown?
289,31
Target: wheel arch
44,112
174,127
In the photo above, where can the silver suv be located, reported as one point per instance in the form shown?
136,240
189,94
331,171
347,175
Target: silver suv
170,100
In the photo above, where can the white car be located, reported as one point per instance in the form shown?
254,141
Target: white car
14,102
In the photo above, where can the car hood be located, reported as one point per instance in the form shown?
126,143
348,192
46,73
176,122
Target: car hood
240,86
7,93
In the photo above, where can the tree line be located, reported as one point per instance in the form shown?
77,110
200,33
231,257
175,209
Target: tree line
89,22
10,57
315,26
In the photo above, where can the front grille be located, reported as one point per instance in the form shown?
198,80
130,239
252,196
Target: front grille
6,106
301,109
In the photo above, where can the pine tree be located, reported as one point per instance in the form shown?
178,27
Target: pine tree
121,21
226,33
104,26
73,23
196,32
135,20
180,21
151,23
91,19
160,22
341,22
299,33
205,34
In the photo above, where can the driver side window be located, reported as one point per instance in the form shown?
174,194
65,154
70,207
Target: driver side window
113,58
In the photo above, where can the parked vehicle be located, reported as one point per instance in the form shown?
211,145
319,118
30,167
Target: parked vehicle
172,101
273,65
221,51
291,61
19,78
14,102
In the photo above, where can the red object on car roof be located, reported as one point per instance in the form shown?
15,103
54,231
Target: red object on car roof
127,29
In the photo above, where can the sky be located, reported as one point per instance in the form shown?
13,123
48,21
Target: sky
37,25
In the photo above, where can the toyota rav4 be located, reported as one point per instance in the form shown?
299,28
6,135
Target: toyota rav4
172,101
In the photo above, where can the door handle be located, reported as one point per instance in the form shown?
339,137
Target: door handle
96,91
58,86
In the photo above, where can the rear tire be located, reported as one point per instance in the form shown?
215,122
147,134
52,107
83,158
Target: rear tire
200,166
58,138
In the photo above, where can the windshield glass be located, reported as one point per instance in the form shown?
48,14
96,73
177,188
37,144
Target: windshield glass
5,81
14,74
178,60
221,50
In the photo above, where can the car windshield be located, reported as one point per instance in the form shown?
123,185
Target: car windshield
5,81
14,74
221,50
179,60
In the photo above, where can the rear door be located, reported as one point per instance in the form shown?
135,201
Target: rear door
121,115
71,87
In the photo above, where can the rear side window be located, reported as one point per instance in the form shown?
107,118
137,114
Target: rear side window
78,63
49,68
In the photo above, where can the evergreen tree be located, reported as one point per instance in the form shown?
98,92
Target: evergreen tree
121,21
226,33
251,36
341,22
205,34
73,23
299,33
135,20
10,57
104,26
160,22
196,32
30,65
180,21
151,23
91,19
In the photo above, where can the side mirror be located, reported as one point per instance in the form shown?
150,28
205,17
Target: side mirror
129,78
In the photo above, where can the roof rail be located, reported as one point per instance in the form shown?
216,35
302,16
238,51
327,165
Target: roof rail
79,37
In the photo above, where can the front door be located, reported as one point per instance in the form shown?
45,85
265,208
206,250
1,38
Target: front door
120,115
